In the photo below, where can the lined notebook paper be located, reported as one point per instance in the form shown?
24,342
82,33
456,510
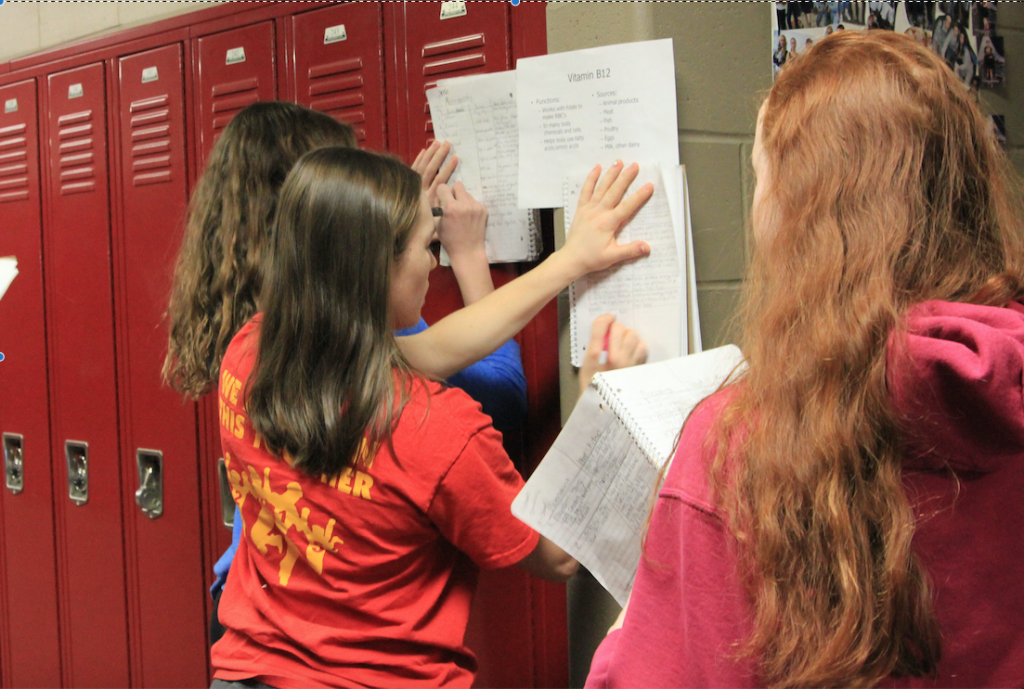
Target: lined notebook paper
650,295
593,492
477,114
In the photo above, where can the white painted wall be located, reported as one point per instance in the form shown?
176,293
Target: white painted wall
28,27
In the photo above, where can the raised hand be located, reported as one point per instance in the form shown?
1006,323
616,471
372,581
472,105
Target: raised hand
431,166
601,214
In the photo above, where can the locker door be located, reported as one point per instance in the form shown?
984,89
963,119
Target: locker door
86,466
235,69
339,67
159,442
440,48
31,653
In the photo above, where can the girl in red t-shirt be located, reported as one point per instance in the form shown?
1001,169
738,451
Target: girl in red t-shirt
370,495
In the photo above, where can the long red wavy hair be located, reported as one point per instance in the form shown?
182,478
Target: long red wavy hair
886,190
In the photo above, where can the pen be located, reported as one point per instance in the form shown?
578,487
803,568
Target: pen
437,211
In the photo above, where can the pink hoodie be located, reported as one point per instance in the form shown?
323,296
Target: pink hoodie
960,390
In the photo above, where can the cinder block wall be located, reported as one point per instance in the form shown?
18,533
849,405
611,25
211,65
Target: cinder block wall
28,27
723,70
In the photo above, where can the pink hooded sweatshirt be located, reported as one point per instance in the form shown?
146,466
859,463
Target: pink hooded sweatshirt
959,386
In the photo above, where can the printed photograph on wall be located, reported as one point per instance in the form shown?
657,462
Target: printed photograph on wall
965,34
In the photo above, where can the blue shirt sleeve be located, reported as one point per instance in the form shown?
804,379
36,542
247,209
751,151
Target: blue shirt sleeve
497,382
220,569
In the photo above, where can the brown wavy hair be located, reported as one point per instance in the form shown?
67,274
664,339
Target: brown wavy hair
219,271
886,190
327,365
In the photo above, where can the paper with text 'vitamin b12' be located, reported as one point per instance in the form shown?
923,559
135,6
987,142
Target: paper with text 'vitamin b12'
592,106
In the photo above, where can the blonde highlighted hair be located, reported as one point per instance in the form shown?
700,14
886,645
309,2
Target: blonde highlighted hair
886,190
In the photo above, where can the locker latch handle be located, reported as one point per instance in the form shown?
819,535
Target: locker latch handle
77,454
14,466
227,500
150,495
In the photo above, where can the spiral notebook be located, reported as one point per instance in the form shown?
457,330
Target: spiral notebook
477,115
593,492
657,295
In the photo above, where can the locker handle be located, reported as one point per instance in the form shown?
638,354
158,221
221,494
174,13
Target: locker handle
77,454
227,501
14,467
150,495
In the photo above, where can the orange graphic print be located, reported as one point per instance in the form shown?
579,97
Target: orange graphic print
279,514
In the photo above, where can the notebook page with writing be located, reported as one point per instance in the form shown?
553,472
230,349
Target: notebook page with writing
477,114
593,491
652,400
591,495
646,295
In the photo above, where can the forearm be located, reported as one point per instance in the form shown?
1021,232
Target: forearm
473,273
472,333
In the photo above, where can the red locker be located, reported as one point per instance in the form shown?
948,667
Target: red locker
337,66
233,69
83,392
167,620
433,45
30,651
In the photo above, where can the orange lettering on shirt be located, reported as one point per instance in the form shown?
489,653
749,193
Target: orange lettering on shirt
233,390
362,485
345,481
257,440
239,429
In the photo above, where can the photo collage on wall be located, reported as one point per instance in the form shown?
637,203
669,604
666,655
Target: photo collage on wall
964,34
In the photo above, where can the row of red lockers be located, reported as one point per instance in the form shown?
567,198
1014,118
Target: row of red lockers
100,144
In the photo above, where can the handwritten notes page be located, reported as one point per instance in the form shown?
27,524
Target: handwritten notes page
477,114
594,489
647,295
596,105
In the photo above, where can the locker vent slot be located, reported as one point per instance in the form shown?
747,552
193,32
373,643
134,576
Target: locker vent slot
150,138
454,57
462,55
13,163
230,98
342,96
455,64
453,45
76,155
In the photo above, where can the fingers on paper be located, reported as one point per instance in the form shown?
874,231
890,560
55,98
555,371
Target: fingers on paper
430,162
625,347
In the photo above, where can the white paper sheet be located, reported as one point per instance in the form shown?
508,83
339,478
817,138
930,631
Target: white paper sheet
593,492
591,495
477,114
597,105
647,295
8,271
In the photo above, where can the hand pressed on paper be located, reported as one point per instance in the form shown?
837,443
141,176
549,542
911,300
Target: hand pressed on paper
462,229
432,168
601,214
621,347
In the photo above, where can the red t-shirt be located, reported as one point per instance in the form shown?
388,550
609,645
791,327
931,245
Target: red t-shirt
367,580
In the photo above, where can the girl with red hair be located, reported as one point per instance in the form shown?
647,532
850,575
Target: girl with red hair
848,513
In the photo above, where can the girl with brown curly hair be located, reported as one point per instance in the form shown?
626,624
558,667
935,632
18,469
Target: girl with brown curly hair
848,513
